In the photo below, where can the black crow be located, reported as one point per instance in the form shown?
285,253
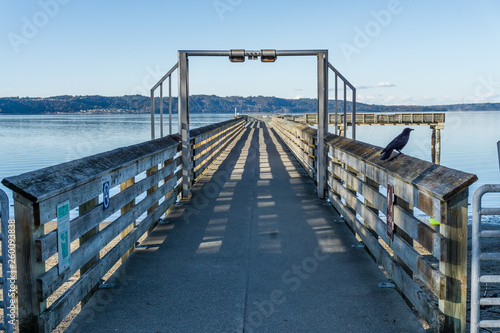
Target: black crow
398,143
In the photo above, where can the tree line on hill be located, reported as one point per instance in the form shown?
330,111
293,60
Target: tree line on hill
205,104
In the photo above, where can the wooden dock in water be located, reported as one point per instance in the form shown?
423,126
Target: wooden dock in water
343,121
253,249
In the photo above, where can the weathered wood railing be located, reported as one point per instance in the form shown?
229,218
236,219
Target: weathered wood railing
301,139
152,167
209,141
416,252
376,118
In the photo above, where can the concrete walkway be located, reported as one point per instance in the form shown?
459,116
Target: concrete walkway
253,250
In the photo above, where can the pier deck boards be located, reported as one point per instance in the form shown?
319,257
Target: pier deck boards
253,250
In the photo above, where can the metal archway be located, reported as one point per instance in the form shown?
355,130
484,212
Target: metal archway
239,56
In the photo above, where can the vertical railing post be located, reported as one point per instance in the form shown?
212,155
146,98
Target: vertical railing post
345,110
150,191
336,104
152,114
184,122
438,146
161,110
407,238
322,121
28,268
353,113
170,104
84,208
123,186
433,144
454,228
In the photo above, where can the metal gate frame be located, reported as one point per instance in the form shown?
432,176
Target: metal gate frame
477,256
239,56
6,302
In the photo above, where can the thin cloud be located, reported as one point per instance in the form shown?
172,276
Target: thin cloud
378,85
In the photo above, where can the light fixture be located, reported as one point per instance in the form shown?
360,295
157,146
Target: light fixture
237,55
268,55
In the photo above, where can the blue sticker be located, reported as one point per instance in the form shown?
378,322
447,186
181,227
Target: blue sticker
105,192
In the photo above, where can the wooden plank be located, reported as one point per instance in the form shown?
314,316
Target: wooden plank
149,192
50,281
434,180
45,183
86,207
64,304
28,269
401,248
454,306
210,154
405,206
429,238
201,130
93,187
46,245
417,297
201,141
124,210
294,148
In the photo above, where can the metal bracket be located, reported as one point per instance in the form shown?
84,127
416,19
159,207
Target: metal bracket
386,285
102,285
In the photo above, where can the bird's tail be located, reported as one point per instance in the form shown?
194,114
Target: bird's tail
386,155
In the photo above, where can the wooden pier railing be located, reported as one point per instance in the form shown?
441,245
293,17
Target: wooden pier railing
375,119
81,186
416,254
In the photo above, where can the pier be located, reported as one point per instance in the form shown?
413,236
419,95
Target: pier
246,225
342,122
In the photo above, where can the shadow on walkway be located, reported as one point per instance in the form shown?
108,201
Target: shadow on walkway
253,250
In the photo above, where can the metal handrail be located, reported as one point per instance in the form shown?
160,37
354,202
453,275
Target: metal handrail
6,303
160,84
353,89
477,256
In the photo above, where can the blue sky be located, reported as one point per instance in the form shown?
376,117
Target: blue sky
394,52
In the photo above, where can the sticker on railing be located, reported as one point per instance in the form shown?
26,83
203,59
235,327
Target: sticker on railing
105,194
63,236
390,223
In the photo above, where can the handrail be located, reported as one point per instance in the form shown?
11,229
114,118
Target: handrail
7,267
355,175
477,256
160,84
353,89
100,187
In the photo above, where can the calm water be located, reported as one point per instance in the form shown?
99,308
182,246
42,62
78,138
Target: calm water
31,142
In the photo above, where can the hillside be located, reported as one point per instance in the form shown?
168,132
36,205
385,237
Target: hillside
203,104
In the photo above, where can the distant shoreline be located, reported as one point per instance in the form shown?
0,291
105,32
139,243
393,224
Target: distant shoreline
137,104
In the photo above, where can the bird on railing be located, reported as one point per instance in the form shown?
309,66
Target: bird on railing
398,143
